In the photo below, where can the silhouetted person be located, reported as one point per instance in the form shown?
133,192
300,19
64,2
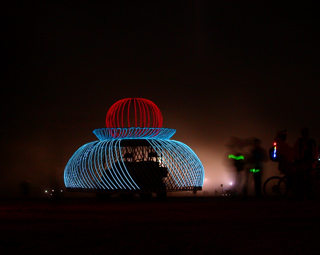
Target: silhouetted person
305,156
237,160
305,151
258,157
285,153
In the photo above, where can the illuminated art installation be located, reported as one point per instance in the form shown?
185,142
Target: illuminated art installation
134,154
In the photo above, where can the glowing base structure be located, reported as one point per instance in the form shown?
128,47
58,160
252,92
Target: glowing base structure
134,159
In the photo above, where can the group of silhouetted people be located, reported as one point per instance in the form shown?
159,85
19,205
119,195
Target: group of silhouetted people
295,162
247,158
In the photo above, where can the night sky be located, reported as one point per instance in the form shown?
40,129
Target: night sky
216,69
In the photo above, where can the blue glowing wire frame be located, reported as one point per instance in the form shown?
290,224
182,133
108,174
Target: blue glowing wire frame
154,165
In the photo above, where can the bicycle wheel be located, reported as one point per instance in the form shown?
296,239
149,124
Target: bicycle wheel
275,186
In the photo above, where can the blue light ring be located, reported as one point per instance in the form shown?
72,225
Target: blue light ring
168,162
106,173
103,177
72,167
152,179
133,133
187,154
149,183
137,174
194,162
86,164
120,162
197,165
186,160
90,175
81,164
179,163
181,154
68,181
114,167
100,168
111,168
189,163
132,184
128,177
100,162
109,164
160,151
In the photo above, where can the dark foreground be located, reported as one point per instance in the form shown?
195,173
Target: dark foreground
192,225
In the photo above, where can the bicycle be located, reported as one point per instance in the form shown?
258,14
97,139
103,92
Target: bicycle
275,186
309,186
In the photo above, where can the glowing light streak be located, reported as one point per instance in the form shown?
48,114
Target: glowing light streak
240,157
274,150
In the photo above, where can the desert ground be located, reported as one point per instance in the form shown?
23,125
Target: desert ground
178,225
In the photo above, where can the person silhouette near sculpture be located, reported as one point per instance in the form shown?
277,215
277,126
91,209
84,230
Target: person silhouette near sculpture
258,157
237,161
247,157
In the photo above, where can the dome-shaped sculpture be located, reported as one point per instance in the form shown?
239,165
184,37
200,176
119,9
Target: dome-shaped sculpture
134,154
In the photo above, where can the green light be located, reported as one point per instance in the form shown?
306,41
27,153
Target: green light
253,170
236,157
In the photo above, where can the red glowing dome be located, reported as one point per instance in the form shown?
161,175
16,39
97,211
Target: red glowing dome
134,112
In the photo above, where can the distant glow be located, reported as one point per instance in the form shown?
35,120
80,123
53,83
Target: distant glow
236,157
231,183
253,170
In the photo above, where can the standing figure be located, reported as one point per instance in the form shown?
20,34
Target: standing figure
237,159
285,157
305,152
285,153
258,157
305,156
